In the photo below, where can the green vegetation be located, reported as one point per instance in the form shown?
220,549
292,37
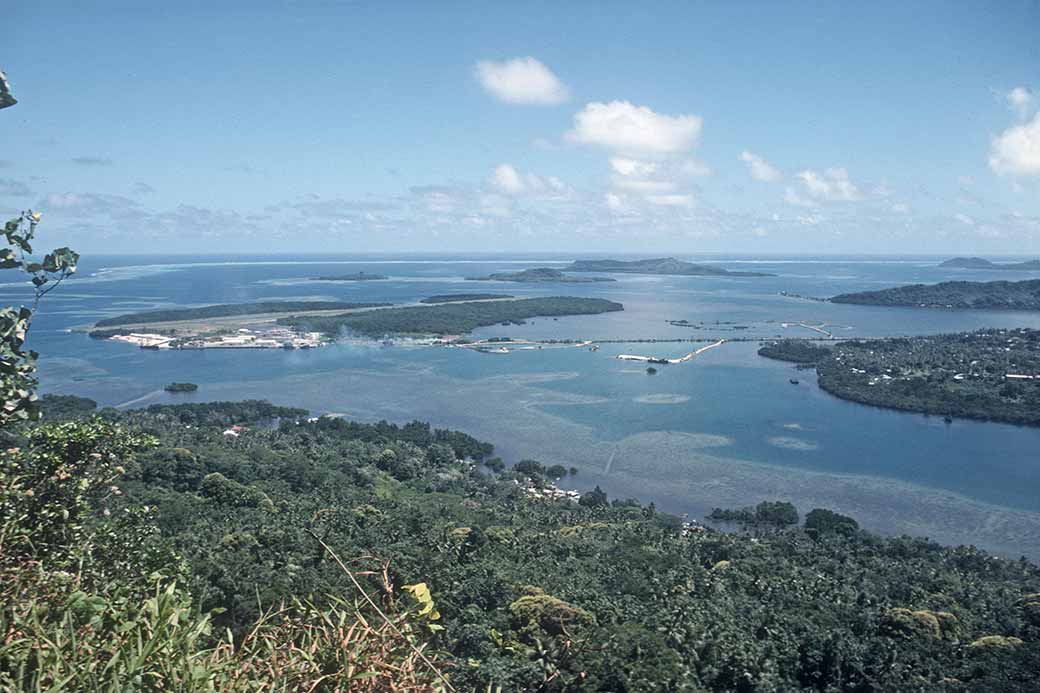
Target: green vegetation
354,277
968,375
197,566
229,310
794,350
765,514
668,265
181,387
450,318
57,407
18,364
980,263
456,298
999,295
539,275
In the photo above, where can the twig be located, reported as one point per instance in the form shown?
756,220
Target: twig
379,611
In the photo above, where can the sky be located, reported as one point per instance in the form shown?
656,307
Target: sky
396,127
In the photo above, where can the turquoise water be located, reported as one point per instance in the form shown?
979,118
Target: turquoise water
580,407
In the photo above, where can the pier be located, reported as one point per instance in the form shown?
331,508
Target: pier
682,359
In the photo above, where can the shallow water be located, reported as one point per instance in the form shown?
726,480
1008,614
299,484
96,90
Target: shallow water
725,429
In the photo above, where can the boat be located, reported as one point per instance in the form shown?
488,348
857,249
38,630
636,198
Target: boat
793,381
948,419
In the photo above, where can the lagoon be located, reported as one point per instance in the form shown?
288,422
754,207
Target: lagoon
724,429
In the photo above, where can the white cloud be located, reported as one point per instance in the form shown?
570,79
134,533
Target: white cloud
632,167
1020,100
792,197
760,168
964,219
507,179
635,130
674,200
614,201
521,81
833,185
695,168
1016,151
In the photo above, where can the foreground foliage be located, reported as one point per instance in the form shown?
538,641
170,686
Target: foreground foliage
222,584
95,599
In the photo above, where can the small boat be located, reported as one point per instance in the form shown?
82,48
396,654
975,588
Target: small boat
793,381
948,419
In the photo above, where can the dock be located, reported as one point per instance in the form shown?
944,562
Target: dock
682,359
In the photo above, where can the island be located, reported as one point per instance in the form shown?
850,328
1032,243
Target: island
226,310
448,318
181,387
978,263
996,295
461,298
539,275
226,326
355,277
991,374
666,265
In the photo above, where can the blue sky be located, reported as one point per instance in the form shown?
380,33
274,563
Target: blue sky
641,127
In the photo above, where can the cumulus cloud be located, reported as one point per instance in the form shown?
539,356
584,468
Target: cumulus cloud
1016,151
506,179
1020,100
832,185
759,168
521,81
635,130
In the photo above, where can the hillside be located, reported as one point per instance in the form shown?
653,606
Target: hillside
500,586
668,265
997,295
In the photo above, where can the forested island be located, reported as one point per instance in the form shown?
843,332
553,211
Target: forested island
459,298
178,553
667,265
355,277
996,295
983,264
181,387
227,310
448,318
539,275
991,374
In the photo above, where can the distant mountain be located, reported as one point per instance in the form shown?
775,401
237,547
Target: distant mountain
999,295
665,265
981,263
539,275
